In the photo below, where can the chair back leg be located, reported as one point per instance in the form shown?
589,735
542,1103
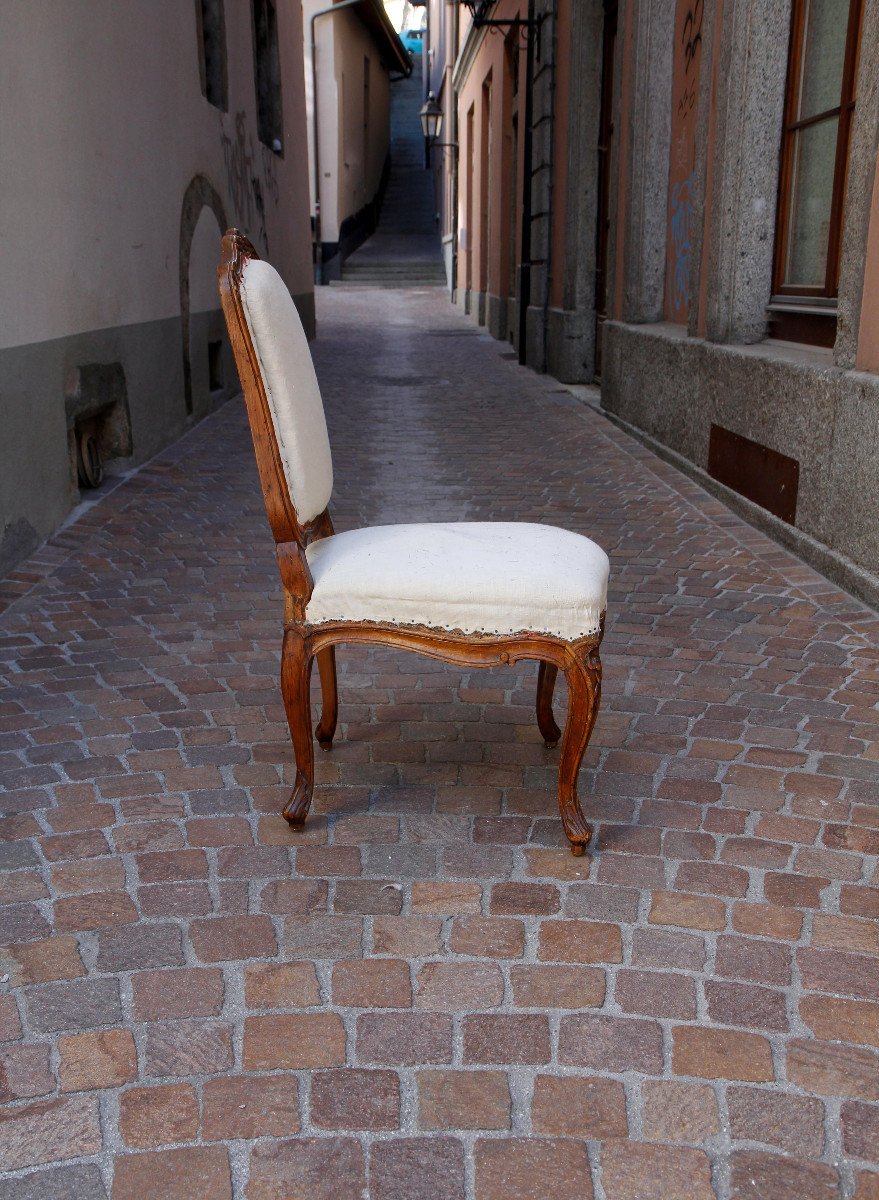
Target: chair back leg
295,679
329,713
583,674
546,677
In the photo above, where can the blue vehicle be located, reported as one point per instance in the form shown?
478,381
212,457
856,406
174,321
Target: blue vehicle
413,40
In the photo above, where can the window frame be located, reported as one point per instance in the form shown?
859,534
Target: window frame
273,46
825,295
221,101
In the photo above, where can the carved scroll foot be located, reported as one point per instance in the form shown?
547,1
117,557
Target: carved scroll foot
296,809
295,679
583,673
326,726
546,677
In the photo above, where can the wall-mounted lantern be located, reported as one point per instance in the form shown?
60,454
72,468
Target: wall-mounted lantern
431,115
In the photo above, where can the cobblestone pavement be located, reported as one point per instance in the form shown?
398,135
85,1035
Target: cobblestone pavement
425,995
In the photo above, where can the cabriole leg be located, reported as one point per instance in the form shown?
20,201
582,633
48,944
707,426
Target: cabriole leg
546,677
295,678
583,673
326,726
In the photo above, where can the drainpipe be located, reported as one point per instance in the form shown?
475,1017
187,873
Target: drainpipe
525,265
319,254
453,112
554,9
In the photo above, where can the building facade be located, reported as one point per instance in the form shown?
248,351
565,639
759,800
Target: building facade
679,198
743,330
131,138
352,53
520,85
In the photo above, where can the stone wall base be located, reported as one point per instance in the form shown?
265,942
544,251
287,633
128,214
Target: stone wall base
671,389
36,490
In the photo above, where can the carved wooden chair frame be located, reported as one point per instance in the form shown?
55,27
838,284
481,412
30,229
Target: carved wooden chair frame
303,643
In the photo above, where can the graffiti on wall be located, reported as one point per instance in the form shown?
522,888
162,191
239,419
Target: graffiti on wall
682,236
691,34
251,177
682,174
691,41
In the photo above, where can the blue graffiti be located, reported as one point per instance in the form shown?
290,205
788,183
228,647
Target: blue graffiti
681,231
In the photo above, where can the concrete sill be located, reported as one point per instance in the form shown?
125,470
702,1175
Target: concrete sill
769,349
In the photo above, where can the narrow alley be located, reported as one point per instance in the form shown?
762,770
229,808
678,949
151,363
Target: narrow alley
424,994
612,267
405,248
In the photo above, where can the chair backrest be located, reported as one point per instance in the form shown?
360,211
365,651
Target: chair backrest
280,389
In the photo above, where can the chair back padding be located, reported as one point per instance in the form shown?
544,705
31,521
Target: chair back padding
291,387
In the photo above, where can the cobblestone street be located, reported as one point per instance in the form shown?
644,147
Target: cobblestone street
425,996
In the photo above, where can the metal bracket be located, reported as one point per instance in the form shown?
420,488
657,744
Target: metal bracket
480,21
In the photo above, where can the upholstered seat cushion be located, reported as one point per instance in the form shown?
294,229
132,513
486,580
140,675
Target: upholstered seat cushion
491,577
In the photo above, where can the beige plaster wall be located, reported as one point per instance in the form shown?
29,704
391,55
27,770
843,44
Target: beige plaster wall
203,263
108,151
104,125
350,178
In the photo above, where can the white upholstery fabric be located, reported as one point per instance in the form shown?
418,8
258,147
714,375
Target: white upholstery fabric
291,387
492,577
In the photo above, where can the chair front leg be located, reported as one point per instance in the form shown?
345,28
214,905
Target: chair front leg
326,726
546,677
583,673
295,678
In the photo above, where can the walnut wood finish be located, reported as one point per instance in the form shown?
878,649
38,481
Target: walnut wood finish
326,728
546,677
303,643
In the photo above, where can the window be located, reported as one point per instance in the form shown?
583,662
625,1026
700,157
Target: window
605,144
212,51
513,59
485,190
268,74
820,101
366,118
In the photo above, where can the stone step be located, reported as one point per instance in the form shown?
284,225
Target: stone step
399,267
389,270
404,251
413,281
353,268
388,284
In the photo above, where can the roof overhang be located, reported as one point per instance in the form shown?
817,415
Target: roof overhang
394,54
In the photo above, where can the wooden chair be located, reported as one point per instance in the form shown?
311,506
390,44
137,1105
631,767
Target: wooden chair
476,594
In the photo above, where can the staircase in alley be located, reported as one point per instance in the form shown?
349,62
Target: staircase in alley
405,250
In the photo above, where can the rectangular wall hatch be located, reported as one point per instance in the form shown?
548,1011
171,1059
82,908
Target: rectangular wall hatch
759,474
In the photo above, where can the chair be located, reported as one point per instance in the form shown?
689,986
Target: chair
475,594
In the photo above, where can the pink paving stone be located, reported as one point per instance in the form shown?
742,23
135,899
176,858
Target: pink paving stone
434,855
48,1131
